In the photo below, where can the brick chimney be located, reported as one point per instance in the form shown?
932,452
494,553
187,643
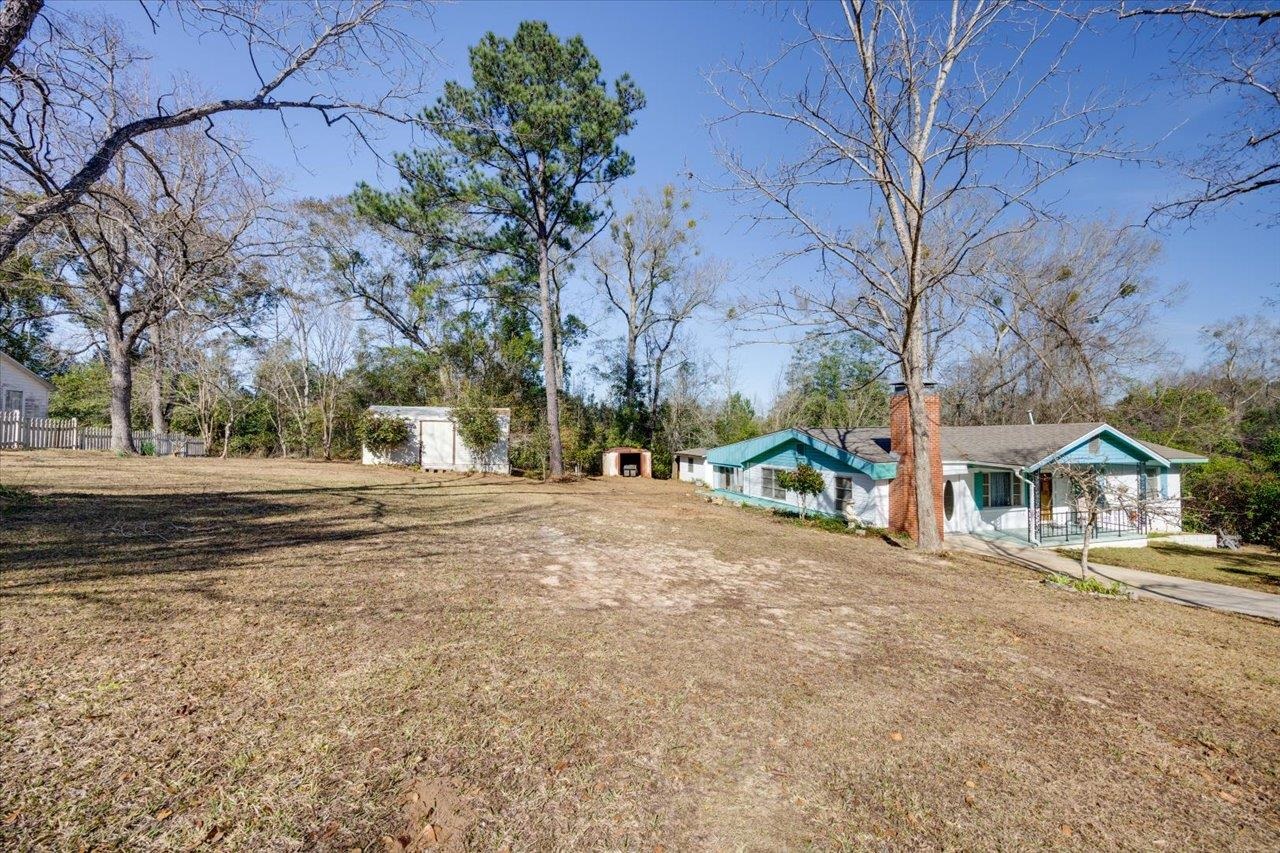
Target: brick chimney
902,491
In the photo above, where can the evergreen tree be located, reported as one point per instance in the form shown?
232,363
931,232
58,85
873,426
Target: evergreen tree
526,155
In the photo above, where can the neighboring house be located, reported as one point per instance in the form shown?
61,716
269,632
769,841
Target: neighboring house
994,481
691,465
435,445
23,390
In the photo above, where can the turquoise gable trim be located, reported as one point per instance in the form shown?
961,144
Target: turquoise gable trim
766,503
783,448
1114,448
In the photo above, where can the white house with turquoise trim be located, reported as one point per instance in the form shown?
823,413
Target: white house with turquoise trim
999,481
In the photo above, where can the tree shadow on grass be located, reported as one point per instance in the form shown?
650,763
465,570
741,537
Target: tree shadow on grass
1260,566
75,537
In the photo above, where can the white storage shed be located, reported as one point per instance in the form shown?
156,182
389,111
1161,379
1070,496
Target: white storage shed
435,445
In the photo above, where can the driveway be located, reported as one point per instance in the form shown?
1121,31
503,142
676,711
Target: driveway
1215,596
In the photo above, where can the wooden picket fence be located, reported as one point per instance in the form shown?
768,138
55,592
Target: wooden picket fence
17,432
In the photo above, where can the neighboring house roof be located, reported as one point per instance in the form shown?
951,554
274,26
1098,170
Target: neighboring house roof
692,451
10,361
1012,445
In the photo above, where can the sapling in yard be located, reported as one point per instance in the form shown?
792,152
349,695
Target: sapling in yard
805,481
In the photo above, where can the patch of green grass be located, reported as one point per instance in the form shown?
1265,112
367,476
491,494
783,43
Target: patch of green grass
824,522
14,498
1090,585
1251,567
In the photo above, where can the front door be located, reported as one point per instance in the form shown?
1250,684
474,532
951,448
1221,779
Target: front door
1046,497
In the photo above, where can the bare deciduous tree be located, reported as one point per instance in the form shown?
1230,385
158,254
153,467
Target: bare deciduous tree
1231,49
61,125
1061,316
937,121
164,235
1101,499
651,272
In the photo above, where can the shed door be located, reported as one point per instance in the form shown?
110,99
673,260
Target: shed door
437,444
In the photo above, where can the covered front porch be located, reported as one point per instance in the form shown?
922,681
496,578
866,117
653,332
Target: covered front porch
1050,510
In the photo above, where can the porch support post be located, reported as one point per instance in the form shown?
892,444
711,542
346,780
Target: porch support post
1033,509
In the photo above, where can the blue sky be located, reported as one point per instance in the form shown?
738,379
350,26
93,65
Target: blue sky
1228,262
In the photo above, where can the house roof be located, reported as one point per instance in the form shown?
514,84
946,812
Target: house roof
1012,445
692,451
871,443
1019,445
13,362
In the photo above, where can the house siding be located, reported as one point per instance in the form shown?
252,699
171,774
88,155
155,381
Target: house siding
35,393
870,497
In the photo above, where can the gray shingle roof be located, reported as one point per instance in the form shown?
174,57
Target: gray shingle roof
1015,445
692,451
869,443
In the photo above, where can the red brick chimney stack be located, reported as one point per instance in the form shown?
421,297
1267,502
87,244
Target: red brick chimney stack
902,491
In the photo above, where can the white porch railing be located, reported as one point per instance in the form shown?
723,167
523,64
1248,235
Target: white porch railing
17,432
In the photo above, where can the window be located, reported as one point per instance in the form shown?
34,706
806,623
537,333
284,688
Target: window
994,489
769,487
1153,489
724,477
12,400
948,500
844,492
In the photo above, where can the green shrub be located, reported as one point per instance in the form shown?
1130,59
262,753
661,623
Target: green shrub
1090,585
147,448
382,434
805,481
477,425
1234,496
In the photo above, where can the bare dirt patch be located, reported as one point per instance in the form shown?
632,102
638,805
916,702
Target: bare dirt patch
276,655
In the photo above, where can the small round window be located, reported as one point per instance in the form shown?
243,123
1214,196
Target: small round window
948,500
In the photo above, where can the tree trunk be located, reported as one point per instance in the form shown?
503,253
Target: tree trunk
629,379
226,437
1084,553
159,421
549,361
121,384
913,369
16,18
655,389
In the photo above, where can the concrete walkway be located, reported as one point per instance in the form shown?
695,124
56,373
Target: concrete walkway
1216,596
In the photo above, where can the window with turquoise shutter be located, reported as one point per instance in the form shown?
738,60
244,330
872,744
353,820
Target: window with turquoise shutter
980,489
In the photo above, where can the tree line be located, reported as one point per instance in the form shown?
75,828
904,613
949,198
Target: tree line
142,220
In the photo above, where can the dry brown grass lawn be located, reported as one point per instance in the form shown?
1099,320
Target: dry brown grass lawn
270,654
